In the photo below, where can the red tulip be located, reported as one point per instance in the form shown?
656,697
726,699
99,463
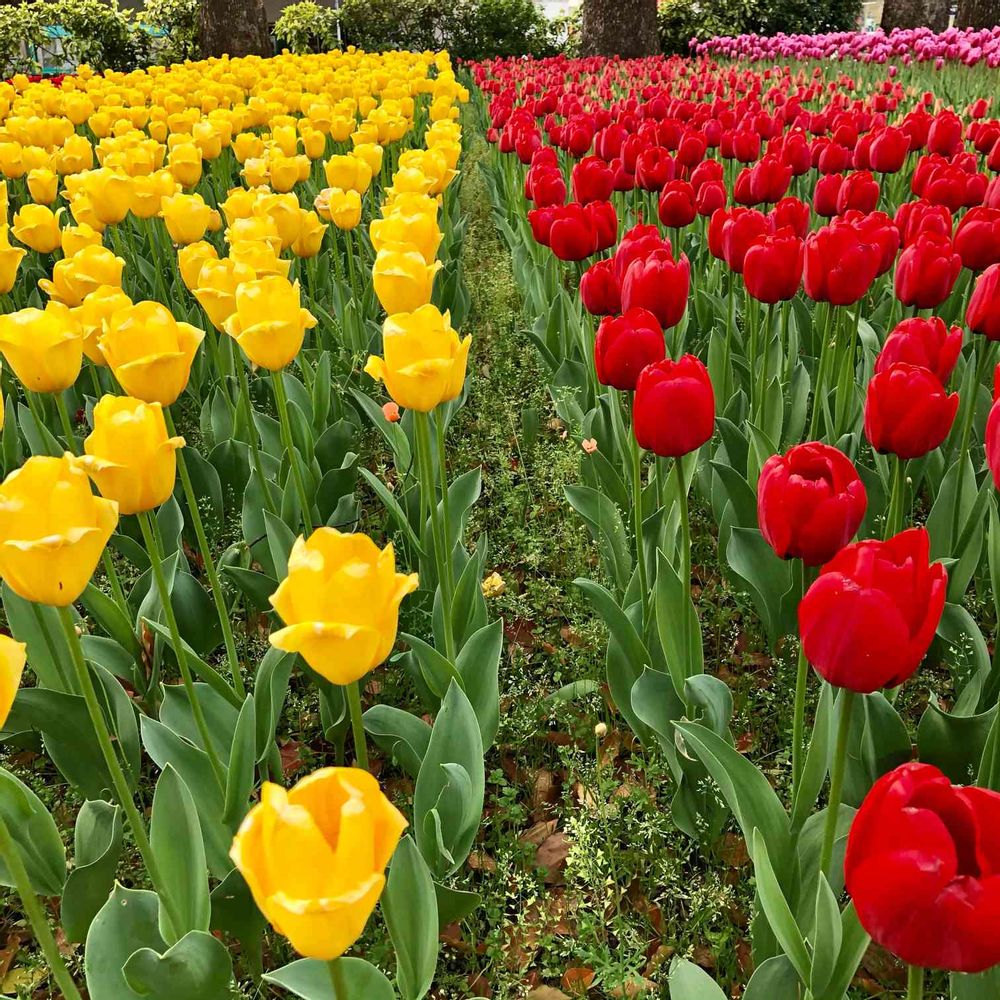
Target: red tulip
839,266
983,314
887,150
545,186
742,227
908,412
924,343
993,439
859,191
869,618
710,197
639,241
674,407
599,290
916,217
826,194
791,212
603,221
772,267
923,869
945,135
676,206
625,345
540,220
571,236
593,180
977,238
660,284
810,502
746,146
926,271
654,167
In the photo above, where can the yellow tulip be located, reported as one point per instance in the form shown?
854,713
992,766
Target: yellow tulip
43,346
95,310
425,360
340,603
52,530
247,146
314,857
190,260
187,217
216,287
314,143
184,162
110,194
269,322
37,226
150,352
148,193
11,160
77,238
283,172
419,229
255,172
411,180
261,257
349,173
238,205
76,155
283,210
129,454
402,280
10,261
13,656
342,208
309,242
257,228
371,153
74,278
43,185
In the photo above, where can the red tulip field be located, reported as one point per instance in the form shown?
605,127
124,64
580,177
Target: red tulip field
526,528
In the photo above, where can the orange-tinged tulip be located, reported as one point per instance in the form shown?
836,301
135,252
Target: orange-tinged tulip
37,226
269,322
150,352
52,530
402,280
74,278
314,857
129,454
425,360
95,310
340,603
44,347
13,656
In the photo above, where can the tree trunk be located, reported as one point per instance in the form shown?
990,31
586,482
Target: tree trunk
915,14
619,27
978,13
233,27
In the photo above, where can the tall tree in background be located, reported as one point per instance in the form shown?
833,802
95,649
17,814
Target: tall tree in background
915,14
978,13
233,27
619,27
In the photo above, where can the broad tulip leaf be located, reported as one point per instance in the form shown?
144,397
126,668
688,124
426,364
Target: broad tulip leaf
825,937
198,967
689,982
310,979
478,664
776,909
35,835
98,846
774,979
401,735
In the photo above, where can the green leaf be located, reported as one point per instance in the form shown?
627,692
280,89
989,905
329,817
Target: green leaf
401,735
235,913
952,742
240,773
984,986
605,524
776,909
392,506
309,979
110,617
454,905
478,664
826,936
774,979
768,577
688,982
35,834
175,836
854,944
198,967
280,539
816,762
409,907
98,846
677,624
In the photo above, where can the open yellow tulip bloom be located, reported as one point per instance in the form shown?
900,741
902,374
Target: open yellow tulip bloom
425,360
129,454
52,530
37,226
216,288
340,602
314,857
13,656
95,310
43,346
74,278
150,352
190,260
269,322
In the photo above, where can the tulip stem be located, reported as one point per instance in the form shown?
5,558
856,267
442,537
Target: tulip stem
352,692
915,983
837,769
449,570
122,792
682,499
897,501
640,548
151,535
294,459
14,864
241,371
337,979
801,688
211,572
67,425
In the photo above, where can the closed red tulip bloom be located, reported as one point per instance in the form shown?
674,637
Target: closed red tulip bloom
810,502
993,442
983,314
709,197
540,220
868,619
599,290
716,226
791,212
707,170
772,267
908,412
593,180
674,407
625,345
859,191
923,869
839,266
603,220
945,135
879,231
887,150
926,271
639,241
571,236
769,180
977,238
926,343
545,185
692,148
826,193
913,218
741,229
654,166
676,206
746,146
660,284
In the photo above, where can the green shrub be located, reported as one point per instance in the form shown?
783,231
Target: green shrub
99,32
178,20
307,27
19,23
482,28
